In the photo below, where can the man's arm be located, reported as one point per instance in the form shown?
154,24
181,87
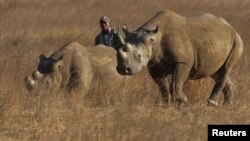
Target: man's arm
119,42
97,40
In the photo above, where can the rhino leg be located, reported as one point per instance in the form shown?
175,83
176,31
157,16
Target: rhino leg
232,60
220,82
164,86
180,76
228,92
223,82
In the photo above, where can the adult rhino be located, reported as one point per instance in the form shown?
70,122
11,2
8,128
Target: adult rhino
186,47
79,68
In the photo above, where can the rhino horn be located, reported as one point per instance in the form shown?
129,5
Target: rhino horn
29,83
128,47
123,54
37,75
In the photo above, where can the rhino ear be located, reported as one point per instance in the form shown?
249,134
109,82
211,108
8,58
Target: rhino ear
58,63
152,39
125,30
42,57
156,29
60,58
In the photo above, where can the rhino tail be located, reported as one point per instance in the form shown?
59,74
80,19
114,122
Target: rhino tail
236,52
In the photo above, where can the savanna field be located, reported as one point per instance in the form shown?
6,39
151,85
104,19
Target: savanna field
133,112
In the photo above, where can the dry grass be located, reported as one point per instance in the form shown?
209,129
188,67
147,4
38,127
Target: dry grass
31,27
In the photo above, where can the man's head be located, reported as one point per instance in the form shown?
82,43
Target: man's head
104,23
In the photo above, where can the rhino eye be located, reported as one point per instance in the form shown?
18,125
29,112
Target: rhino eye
152,40
139,56
48,81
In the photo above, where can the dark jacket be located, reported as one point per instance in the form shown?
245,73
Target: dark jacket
112,39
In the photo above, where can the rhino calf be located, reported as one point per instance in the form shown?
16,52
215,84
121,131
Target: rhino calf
184,47
75,67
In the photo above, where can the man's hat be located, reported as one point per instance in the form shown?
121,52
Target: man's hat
105,19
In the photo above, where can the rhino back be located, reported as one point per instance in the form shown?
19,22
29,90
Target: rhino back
87,67
206,41
77,69
212,41
163,19
104,61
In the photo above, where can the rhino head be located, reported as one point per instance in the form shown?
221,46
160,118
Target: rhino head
47,75
137,50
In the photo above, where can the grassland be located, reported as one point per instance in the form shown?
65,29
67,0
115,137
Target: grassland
31,27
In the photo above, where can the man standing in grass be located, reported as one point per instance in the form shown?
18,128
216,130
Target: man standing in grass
108,36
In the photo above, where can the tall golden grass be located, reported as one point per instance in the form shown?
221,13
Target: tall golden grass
31,27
